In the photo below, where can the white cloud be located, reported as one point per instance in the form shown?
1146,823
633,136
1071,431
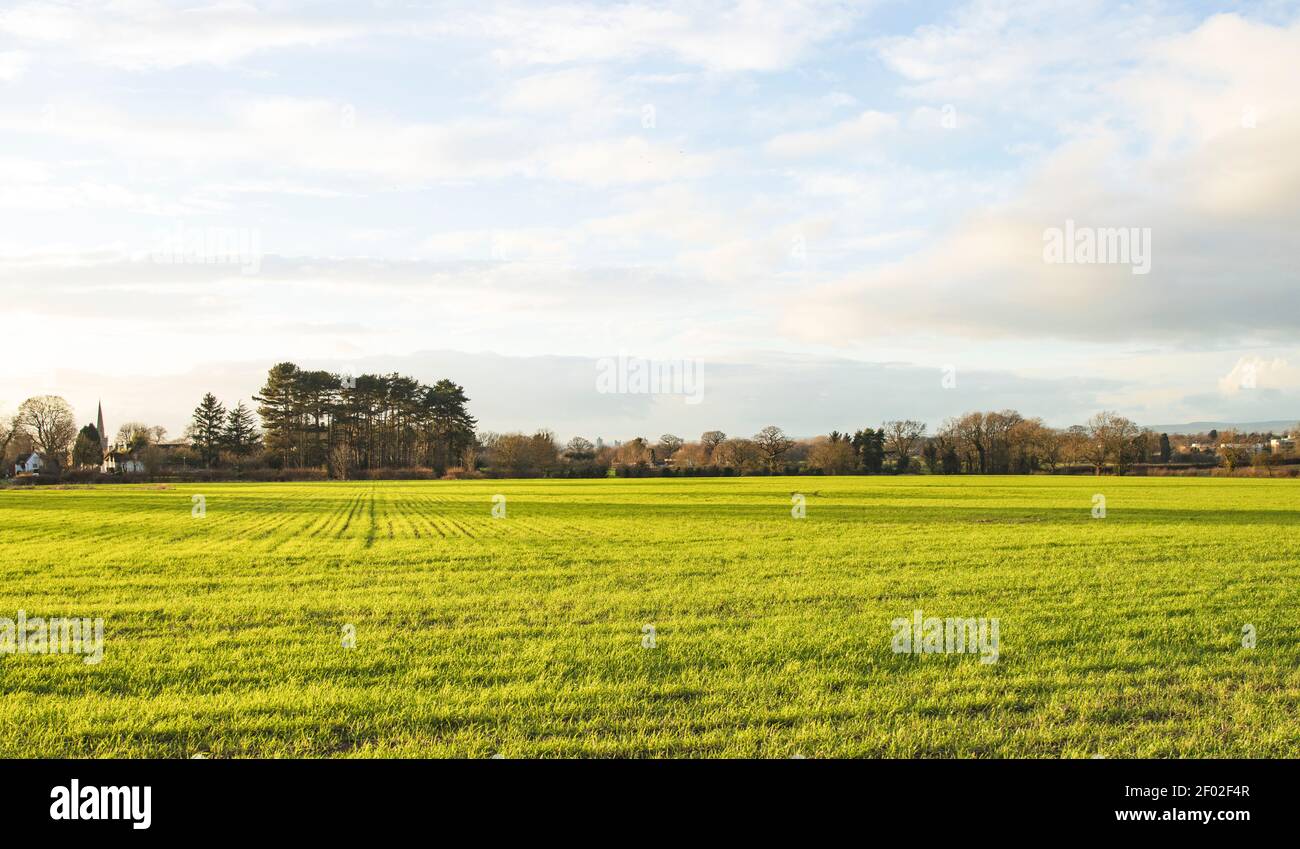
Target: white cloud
720,36
13,64
140,36
1033,57
15,169
333,137
553,245
1257,373
671,212
1222,206
669,225
1227,75
29,184
626,160
844,137
87,194
299,133
557,91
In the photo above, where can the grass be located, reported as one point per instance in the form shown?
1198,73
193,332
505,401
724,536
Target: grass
522,636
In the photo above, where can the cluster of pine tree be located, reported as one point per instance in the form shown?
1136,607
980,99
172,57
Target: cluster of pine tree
316,418
214,429
869,445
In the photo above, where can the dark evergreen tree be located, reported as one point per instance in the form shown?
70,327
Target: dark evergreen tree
240,434
951,462
206,429
280,410
86,451
869,445
930,454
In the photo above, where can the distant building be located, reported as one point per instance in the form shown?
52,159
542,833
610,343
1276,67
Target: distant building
1282,445
118,461
29,464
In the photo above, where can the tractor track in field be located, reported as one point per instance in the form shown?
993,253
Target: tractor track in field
312,521
461,527
440,521
353,509
416,512
331,519
277,525
374,525
409,512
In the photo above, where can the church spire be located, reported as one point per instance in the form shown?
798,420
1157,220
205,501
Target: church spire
103,437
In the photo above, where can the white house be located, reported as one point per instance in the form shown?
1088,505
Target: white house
118,460
29,464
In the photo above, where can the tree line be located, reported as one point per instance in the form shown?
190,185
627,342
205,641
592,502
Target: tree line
982,442
341,425
370,421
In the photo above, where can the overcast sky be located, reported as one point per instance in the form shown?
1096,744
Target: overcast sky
838,210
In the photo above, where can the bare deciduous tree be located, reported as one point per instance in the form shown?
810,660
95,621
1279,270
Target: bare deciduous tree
742,455
901,437
692,454
711,439
48,420
579,448
134,436
772,444
1108,436
668,446
340,461
967,433
833,457
1035,446
8,430
634,452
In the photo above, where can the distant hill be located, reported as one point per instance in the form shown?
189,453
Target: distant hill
1278,426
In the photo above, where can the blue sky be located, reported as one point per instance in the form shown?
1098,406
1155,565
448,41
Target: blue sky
795,194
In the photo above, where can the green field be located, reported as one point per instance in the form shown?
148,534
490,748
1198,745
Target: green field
523,635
